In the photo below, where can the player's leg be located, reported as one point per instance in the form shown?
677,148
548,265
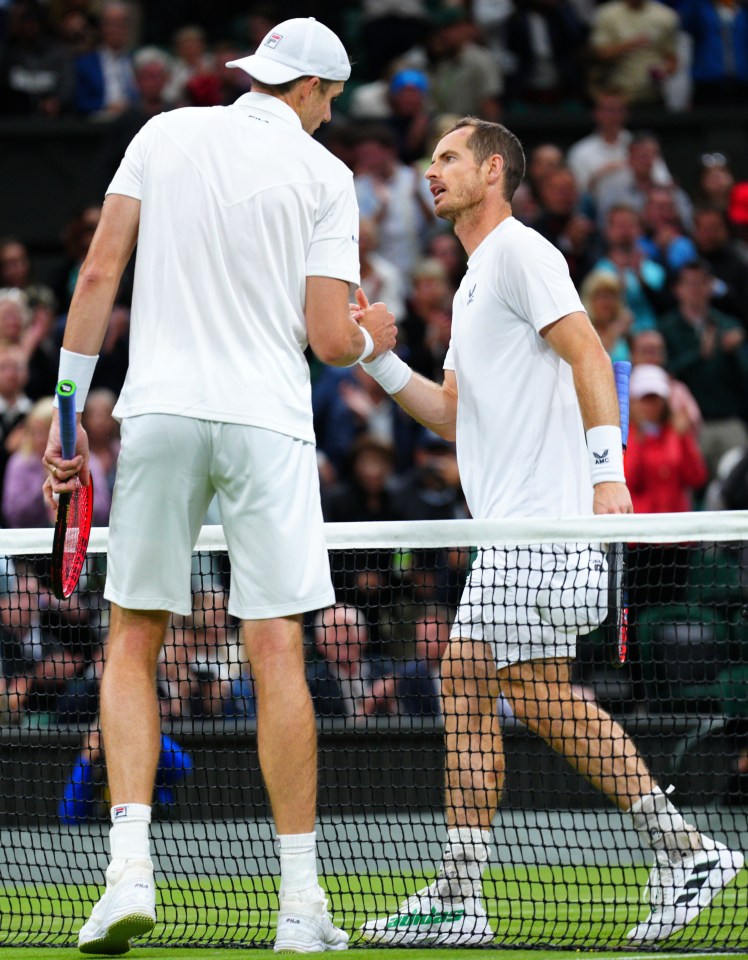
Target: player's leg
268,494
450,911
286,728
160,499
690,868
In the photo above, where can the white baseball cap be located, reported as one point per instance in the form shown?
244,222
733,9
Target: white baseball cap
297,48
648,378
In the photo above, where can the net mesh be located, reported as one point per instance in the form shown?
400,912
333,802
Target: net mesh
565,866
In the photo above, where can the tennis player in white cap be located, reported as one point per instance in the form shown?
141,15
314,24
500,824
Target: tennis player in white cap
247,242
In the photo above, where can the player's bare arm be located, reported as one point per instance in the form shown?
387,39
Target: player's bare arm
335,333
431,404
90,309
575,341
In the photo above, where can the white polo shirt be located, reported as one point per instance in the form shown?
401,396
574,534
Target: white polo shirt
238,207
520,441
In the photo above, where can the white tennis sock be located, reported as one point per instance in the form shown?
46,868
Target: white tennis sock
298,862
662,827
464,862
128,836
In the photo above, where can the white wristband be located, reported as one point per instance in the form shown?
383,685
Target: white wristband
391,373
368,347
606,454
78,367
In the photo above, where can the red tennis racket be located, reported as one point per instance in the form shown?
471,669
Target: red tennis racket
617,552
74,511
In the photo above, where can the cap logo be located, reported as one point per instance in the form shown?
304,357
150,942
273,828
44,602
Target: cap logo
273,40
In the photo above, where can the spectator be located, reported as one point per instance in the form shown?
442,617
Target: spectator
77,237
15,273
663,462
77,30
151,68
643,279
115,351
14,404
394,195
634,45
562,222
643,172
604,151
602,296
346,406
23,504
345,682
418,677
366,493
705,350
426,329
465,78
432,491
45,643
715,181
649,347
737,212
545,39
105,81
380,279
542,161
102,431
191,59
401,104
719,30
198,668
711,234
36,73
665,240
447,249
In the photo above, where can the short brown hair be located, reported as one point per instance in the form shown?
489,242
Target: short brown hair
488,139
281,89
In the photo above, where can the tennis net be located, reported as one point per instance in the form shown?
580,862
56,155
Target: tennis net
566,868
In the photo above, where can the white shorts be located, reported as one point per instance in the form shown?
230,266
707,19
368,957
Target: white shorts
531,603
267,488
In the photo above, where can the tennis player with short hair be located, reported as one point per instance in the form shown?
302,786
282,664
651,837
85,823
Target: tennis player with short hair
247,243
524,378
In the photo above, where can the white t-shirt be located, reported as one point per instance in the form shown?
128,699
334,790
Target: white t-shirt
238,207
520,441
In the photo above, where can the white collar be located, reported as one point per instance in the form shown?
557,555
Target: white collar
265,103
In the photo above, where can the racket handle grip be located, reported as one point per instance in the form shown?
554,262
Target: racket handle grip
68,425
622,373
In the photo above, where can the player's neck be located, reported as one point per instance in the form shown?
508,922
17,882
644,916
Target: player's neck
475,224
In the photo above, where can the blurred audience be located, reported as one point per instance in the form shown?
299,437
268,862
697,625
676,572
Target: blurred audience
104,78
602,294
664,465
705,349
633,43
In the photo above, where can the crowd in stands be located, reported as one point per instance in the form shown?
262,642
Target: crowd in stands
663,274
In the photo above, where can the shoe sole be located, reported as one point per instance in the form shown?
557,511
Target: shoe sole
481,936
116,941
720,876
317,947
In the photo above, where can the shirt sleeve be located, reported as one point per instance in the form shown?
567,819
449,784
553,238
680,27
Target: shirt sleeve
128,180
449,360
536,284
333,251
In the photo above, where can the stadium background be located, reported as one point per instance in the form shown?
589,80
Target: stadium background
533,65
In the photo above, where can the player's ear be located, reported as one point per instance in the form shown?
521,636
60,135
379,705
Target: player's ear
495,167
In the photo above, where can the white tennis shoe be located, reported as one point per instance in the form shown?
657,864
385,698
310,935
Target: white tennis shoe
126,910
307,927
429,919
678,892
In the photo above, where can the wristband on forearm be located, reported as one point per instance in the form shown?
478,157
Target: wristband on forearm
606,454
391,373
368,347
78,367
